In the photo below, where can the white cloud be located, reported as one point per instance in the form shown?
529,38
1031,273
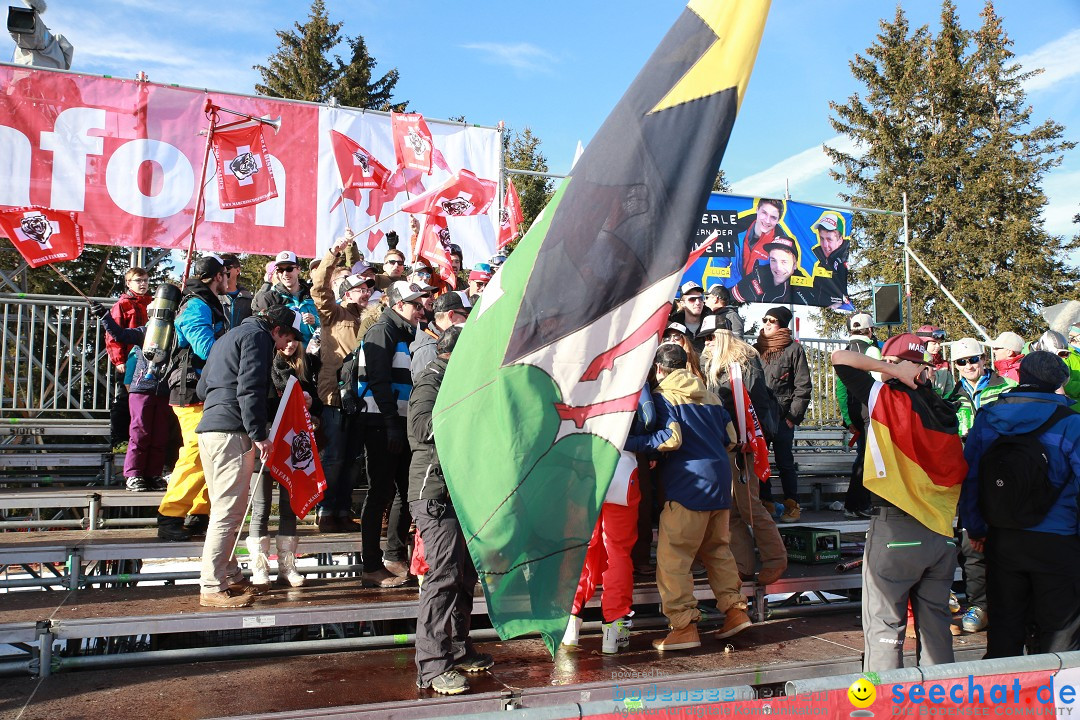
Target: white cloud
1059,59
798,168
1062,202
520,56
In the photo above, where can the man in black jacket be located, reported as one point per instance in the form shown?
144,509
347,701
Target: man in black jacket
385,403
443,647
234,387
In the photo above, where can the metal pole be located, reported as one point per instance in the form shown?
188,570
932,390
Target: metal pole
199,194
534,173
945,291
907,267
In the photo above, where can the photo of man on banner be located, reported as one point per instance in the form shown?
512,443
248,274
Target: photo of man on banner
773,250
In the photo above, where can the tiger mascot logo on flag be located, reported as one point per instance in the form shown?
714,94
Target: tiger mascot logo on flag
301,456
244,165
37,227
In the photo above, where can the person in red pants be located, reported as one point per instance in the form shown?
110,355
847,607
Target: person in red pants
608,561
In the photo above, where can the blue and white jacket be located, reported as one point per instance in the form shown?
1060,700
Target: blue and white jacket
386,383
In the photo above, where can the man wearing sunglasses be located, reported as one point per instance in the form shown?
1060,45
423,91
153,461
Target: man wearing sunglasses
979,387
393,269
385,402
290,291
692,311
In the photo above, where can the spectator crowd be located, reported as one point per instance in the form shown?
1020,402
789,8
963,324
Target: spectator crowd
983,430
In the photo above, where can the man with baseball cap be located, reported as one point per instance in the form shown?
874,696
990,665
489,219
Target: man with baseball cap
479,277
1008,351
388,384
856,415
235,386
290,290
830,255
914,467
691,312
200,320
1032,573
720,302
773,282
236,300
340,316
451,309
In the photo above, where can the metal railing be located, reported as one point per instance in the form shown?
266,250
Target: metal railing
824,409
54,362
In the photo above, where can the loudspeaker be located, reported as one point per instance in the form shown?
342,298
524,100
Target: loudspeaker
888,305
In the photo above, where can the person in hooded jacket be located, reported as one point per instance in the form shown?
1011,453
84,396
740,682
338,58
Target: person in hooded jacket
129,311
1031,576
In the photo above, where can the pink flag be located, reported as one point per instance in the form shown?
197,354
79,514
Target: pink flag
373,239
461,195
412,141
243,167
41,235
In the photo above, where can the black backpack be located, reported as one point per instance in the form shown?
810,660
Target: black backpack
1015,491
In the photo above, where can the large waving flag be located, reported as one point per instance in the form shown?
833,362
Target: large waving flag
294,457
42,235
358,167
461,195
244,173
510,217
549,367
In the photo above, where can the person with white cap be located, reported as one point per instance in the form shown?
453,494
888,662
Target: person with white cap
691,312
340,317
1054,342
856,415
830,271
1008,350
290,291
978,388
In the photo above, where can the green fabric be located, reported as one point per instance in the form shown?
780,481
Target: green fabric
965,412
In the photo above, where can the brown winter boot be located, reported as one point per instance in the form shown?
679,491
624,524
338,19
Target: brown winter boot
681,639
792,511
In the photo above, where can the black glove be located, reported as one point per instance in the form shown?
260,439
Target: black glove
97,309
396,442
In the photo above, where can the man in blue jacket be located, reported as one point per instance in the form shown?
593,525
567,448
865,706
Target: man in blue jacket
695,433
1032,576
235,386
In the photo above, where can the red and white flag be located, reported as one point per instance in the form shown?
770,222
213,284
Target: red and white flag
41,235
434,239
510,217
244,174
749,428
373,239
294,457
461,195
413,146
358,168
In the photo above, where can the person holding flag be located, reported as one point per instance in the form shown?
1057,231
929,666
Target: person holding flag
235,387
751,524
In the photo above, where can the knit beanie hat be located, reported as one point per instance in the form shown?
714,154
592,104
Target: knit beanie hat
782,315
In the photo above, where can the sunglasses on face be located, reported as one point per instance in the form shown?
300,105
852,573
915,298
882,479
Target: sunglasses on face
961,362
392,262
673,337
770,321
695,298
415,303
424,273
286,268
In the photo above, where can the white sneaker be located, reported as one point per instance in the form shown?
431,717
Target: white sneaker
573,631
616,635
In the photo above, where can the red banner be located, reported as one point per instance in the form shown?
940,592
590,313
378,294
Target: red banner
412,141
294,457
245,175
42,236
433,248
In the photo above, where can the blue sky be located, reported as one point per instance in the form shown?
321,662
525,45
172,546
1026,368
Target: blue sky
558,66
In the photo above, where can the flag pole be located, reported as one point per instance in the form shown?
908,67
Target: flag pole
376,223
344,210
66,279
247,510
200,196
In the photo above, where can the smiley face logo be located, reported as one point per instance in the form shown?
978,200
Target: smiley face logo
862,693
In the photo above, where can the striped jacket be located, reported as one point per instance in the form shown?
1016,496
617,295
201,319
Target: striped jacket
387,383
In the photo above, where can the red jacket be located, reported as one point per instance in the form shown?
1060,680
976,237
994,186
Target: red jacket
129,311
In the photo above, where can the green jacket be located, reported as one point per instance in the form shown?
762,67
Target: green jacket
970,400
866,346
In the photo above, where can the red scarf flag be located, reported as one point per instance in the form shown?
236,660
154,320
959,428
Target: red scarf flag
413,145
749,428
294,457
41,235
462,195
510,217
434,239
358,167
244,174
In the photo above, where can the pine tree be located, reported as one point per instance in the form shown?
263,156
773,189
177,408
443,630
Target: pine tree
944,118
521,151
303,69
